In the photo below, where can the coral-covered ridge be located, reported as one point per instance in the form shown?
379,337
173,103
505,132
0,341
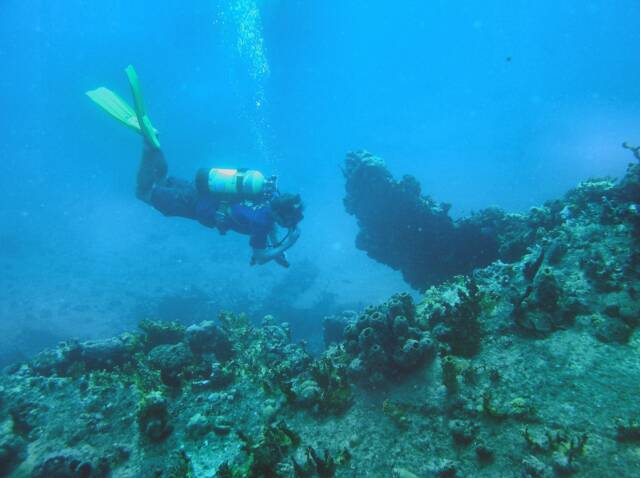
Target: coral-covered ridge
526,367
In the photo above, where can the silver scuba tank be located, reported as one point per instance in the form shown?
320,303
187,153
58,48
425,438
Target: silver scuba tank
235,183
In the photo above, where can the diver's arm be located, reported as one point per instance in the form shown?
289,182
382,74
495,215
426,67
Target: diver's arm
281,259
262,256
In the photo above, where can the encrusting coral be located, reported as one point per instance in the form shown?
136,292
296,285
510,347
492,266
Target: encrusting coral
451,313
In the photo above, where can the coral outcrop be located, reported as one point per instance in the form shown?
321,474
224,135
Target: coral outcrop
409,231
385,341
401,227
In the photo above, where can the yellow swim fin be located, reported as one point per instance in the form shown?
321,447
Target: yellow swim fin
115,106
119,109
147,128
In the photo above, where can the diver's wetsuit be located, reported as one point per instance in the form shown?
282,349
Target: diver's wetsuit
178,197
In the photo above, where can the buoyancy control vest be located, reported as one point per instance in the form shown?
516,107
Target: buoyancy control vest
235,184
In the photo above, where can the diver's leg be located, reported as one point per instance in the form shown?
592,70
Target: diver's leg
175,197
171,196
152,170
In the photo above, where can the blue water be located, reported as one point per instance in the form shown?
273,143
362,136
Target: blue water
486,103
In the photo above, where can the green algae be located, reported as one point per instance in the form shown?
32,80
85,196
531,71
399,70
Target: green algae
262,456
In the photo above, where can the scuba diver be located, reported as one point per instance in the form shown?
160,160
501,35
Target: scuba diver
240,200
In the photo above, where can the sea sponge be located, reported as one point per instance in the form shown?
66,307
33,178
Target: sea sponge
171,360
153,417
158,332
386,341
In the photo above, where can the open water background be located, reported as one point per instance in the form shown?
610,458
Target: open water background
486,103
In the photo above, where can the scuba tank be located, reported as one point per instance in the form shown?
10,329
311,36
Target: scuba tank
235,183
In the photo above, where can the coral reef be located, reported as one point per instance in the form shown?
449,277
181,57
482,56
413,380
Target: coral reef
523,368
